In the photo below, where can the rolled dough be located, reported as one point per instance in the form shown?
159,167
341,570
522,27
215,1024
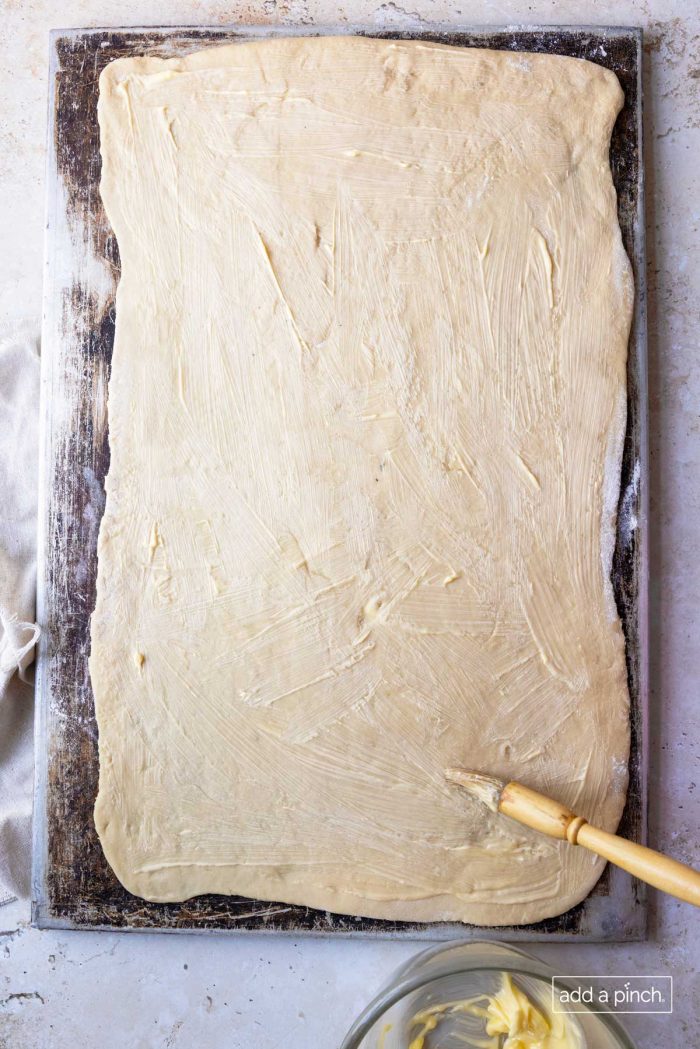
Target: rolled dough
365,416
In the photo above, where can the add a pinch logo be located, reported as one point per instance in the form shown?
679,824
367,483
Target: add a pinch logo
612,994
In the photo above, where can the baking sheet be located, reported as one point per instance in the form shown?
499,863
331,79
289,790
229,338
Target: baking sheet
73,886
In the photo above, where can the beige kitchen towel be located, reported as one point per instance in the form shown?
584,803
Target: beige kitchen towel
19,415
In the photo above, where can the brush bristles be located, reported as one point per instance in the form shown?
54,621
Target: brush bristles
485,788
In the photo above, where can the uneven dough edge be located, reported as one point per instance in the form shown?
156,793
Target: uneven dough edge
231,878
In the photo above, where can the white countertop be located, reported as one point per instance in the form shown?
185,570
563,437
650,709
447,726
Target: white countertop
75,990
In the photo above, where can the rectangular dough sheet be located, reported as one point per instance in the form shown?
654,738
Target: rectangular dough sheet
365,414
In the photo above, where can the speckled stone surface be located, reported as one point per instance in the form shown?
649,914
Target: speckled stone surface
74,990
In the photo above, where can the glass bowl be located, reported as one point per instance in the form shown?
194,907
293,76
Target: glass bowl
457,971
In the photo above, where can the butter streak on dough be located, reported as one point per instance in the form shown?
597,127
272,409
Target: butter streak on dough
366,413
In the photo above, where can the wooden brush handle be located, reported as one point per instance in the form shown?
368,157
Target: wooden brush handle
657,870
550,817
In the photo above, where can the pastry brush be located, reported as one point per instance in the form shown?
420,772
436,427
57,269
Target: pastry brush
550,817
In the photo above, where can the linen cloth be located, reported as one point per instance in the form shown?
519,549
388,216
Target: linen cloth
19,419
